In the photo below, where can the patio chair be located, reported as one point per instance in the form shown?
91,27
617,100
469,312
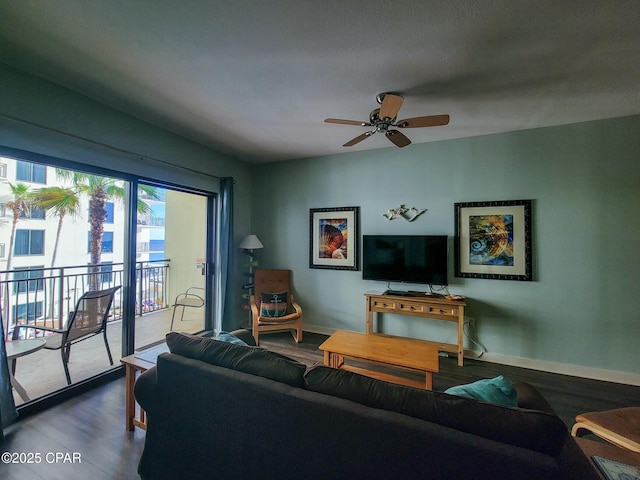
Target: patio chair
88,319
187,299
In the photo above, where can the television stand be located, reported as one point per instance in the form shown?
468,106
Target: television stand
422,306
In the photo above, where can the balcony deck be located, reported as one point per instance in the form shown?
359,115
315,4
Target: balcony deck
42,373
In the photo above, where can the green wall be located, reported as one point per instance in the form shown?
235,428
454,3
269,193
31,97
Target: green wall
581,309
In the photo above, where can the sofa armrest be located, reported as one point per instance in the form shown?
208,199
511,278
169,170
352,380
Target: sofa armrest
145,389
532,399
245,335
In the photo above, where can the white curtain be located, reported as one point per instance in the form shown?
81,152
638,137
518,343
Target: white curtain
228,318
8,411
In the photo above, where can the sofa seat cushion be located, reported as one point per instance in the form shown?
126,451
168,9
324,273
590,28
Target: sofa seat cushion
532,429
252,360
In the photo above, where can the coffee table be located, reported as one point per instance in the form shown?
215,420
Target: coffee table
400,352
20,348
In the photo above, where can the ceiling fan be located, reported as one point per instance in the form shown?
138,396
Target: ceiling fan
384,117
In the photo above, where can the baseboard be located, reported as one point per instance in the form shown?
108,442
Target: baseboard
592,373
320,330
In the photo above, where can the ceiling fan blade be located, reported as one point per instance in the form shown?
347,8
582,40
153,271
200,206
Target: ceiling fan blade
347,122
398,138
428,121
390,106
358,139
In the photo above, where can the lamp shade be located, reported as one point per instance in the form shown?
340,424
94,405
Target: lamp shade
251,242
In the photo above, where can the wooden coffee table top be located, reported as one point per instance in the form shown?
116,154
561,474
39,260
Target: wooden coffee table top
397,351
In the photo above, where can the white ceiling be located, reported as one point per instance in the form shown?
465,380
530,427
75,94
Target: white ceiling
256,78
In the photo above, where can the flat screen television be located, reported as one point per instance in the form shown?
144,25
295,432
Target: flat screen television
405,258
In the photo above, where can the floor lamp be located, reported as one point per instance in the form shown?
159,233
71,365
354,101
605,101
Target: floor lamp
248,245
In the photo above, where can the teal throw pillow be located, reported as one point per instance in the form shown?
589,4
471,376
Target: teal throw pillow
497,390
273,305
230,338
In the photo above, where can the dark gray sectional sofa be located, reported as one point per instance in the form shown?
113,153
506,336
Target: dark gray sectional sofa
217,410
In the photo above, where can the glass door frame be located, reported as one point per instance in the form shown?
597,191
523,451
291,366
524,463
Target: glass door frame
130,236
211,200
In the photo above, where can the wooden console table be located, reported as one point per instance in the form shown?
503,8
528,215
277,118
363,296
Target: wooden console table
421,306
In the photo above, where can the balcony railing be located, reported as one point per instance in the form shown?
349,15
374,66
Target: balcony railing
45,296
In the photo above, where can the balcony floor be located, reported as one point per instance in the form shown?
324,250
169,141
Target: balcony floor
42,373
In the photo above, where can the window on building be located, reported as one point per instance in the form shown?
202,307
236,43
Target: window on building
27,311
106,272
34,212
156,245
28,279
31,172
109,218
2,250
107,242
108,206
3,170
3,209
29,242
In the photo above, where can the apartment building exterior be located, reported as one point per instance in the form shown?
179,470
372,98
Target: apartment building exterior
35,240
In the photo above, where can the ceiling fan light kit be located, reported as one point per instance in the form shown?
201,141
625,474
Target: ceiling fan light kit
385,117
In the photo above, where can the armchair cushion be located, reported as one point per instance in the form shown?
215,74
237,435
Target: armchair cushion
273,304
237,357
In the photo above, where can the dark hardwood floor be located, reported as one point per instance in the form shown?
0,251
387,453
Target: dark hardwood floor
89,428
91,425
568,395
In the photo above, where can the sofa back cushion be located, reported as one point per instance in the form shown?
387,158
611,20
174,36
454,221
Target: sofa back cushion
531,429
252,360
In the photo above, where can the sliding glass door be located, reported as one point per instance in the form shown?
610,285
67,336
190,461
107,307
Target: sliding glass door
171,255
62,236
68,231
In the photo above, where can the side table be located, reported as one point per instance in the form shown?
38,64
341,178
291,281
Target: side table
607,450
134,365
20,348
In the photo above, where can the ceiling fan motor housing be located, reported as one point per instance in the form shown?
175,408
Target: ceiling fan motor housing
380,124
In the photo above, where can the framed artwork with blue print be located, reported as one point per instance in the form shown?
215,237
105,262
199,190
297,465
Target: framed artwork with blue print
493,240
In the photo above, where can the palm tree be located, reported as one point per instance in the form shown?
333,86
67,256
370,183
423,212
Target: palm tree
99,190
21,203
60,201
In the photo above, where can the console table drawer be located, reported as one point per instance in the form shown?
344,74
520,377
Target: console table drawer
442,311
412,308
384,306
